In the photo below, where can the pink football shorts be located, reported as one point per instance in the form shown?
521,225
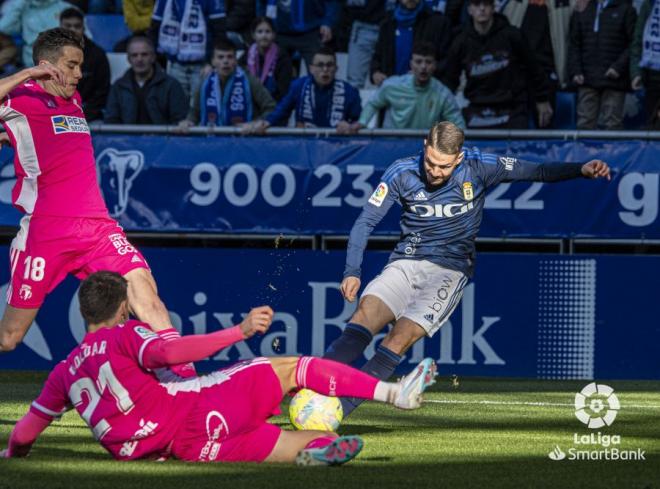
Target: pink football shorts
228,422
46,249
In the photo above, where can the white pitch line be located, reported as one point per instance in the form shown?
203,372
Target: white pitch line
524,403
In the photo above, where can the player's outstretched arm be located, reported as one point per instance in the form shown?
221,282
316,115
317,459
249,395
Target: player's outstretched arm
193,348
24,434
596,169
44,71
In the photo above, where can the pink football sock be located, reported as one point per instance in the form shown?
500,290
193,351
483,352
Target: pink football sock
334,379
321,441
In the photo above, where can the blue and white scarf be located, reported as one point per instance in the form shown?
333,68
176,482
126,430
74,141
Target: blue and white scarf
651,40
310,115
229,107
182,33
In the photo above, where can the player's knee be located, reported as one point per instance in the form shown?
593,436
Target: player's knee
399,341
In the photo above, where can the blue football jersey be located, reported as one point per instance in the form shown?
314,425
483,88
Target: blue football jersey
440,223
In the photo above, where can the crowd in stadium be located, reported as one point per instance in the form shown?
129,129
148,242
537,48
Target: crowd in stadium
481,64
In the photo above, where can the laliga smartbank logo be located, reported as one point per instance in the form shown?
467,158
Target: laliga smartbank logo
596,406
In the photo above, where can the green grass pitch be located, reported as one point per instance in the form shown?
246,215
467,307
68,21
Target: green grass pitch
483,433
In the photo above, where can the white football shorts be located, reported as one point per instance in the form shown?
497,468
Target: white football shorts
419,290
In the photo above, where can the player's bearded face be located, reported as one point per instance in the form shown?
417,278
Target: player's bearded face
439,166
70,62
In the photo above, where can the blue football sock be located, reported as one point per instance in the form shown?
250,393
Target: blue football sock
381,366
350,345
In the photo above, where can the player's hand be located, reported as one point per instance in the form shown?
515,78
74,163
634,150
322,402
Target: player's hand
257,321
349,288
596,169
47,71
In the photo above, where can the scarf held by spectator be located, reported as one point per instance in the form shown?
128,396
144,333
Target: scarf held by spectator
651,41
265,73
307,112
182,34
228,107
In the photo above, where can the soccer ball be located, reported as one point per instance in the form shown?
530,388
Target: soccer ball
311,411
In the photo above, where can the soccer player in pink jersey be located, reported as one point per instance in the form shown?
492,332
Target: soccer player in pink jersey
66,227
111,380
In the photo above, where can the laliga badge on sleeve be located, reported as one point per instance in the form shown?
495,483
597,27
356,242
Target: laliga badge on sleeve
468,194
379,194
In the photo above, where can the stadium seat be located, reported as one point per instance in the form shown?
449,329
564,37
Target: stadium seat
565,110
634,117
107,30
118,65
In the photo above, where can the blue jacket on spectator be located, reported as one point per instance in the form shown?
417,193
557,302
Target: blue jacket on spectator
293,16
318,106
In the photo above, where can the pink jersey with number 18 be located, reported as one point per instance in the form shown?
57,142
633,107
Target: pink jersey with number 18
129,410
54,161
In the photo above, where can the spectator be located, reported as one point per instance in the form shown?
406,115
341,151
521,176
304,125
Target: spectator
8,56
645,60
228,96
266,61
499,67
416,100
545,24
319,99
240,14
183,30
95,83
137,15
409,24
28,18
365,17
598,61
301,25
145,94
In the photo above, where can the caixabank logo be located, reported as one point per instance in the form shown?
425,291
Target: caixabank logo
596,406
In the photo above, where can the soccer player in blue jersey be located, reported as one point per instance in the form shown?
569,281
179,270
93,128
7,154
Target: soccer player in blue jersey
441,191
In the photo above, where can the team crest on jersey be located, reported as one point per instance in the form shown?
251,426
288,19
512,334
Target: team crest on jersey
144,333
468,193
379,194
25,293
66,123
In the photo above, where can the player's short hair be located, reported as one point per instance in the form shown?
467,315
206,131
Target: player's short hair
141,38
261,20
424,48
325,51
69,13
100,296
445,137
49,44
223,44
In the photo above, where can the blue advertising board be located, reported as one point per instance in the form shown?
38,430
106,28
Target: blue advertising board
294,185
545,316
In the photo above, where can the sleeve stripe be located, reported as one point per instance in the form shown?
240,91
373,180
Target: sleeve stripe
141,352
47,411
397,168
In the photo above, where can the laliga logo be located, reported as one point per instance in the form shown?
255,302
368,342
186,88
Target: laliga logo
596,405
117,171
